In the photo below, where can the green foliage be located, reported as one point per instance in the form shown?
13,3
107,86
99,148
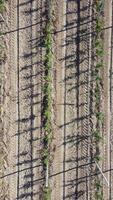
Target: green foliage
99,6
97,99
99,196
98,43
98,192
98,184
99,24
47,139
1,47
98,79
48,78
2,5
48,42
100,52
98,158
97,94
45,157
47,103
47,193
47,115
48,29
99,65
97,135
47,88
48,60
99,47
47,126
1,33
100,116
48,37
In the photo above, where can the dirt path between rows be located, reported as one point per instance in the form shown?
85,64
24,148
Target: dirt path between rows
22,103
106,98
57,167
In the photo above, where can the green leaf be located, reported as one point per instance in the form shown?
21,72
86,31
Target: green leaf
99,65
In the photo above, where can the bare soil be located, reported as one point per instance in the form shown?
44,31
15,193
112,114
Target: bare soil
72,168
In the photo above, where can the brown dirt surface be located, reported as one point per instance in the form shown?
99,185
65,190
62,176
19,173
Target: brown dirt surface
72,167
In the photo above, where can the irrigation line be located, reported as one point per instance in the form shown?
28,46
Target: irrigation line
47,176
111,107
89,80
42,73
102,173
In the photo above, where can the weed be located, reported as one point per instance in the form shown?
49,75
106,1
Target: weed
97,99
99,195
97,95
99,65
47,139
45,157
99,24
100,116
98,158
98,78
100,52
2,5
99,48
100,6
98,192
47,193
97,135
47,105
98,43
98,184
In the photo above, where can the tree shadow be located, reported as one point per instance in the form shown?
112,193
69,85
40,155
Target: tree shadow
76,128
78,102
30,71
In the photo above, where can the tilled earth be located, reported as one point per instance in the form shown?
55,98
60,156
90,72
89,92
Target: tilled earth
72,166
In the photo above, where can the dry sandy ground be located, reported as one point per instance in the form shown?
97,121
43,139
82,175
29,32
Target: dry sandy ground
22,118
70,172
106,100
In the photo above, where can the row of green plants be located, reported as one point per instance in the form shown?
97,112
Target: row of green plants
47,106
99,53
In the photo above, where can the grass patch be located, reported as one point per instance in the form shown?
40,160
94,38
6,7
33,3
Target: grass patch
99,65
100,116
99,53
47,90
99,6
47,193
98,158
47,107
99,24
2,5
98,192
97,135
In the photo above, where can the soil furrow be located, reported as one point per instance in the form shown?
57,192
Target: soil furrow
72,170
